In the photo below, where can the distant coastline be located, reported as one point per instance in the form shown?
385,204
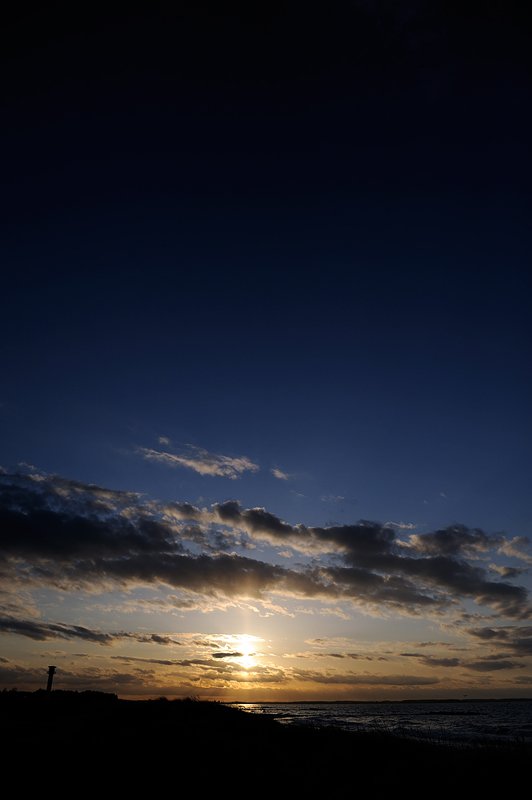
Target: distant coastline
377,702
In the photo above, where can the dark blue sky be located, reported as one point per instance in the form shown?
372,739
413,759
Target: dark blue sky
299,238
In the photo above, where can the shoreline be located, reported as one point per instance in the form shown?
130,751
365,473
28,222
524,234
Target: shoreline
376,702
130,741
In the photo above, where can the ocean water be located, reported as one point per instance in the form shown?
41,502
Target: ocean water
508,721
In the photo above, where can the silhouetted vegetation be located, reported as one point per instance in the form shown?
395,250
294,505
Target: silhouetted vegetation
144,744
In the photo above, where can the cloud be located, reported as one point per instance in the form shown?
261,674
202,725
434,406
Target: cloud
508,572
375,557
55,532
229,655
401,526
433,661
518,547
102,679
332,498
361,679
43,631
516,639
160,661
355,656
279,474
455,540
487,665
202,462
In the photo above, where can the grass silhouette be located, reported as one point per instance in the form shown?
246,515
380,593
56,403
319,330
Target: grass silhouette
104,742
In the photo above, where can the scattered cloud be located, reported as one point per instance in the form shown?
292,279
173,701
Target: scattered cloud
433,661
43,631
365,679
234,654
401,526
454,541
69,535
279,474
492,665
202,462
519,547
515,639
508,572
488,663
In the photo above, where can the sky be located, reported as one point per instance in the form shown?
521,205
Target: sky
265,339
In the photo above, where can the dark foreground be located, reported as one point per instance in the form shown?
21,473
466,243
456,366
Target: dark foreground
69,740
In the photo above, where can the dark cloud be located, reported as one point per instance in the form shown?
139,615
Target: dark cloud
488,663
492,665
489,633
230,575
102,679
433,661
381,567
228,655
509,572
392,590
157,638
454,541
42,631
15,675
427,580
357,679
54,518
165,662
255,520
516,639
69,535
354,656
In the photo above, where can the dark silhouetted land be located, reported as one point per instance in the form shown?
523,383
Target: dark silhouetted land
67,740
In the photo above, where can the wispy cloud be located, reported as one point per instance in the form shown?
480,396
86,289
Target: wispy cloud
519,547
43,631
332,498
201,461
280,475
401,526
364,679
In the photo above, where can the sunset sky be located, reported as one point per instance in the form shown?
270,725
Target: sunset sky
265,350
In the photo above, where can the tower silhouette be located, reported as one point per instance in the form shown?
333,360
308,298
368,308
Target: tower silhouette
51,673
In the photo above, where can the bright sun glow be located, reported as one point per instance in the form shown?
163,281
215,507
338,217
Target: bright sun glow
247,645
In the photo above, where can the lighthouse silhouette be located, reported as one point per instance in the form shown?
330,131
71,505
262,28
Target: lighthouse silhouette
51,673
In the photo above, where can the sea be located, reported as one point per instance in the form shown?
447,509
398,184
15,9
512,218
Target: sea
443,721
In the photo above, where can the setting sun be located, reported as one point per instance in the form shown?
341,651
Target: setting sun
247,646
